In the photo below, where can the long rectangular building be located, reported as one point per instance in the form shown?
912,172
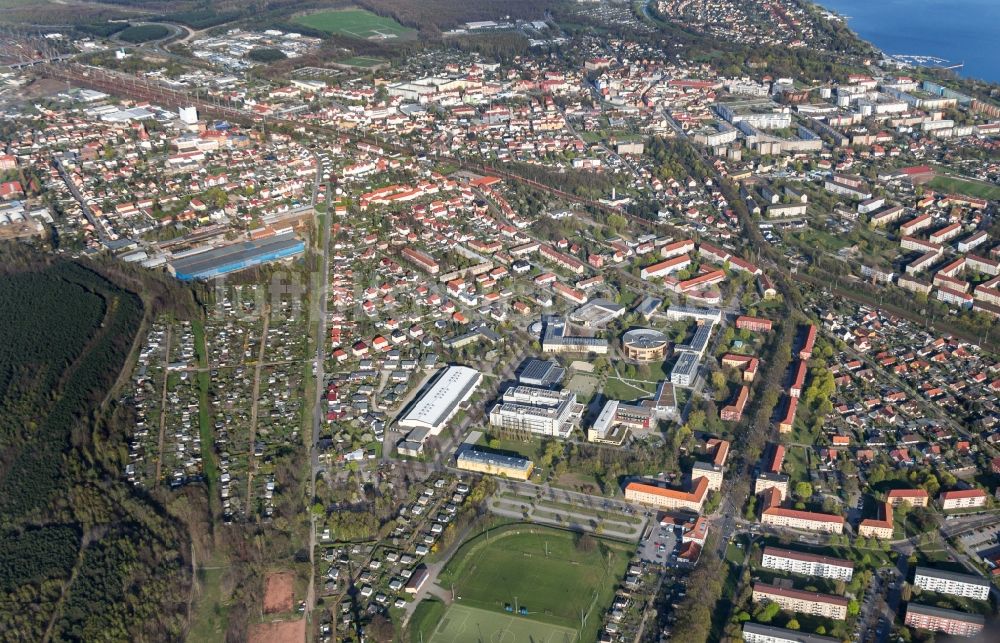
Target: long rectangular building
669,499
516,467
206,263
798,562
806,520
757,633
439,403
798,600
938,619
962,499
945,582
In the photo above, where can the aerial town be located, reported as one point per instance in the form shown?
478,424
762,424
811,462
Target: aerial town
554,330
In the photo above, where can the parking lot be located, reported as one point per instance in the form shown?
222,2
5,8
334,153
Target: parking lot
660,546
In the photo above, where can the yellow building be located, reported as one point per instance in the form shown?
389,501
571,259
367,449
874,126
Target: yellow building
514,467
796,600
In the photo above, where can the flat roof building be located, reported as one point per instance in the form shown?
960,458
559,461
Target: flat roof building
797,600
509,466
709,315
798,562
606,429
685,371
213,262
545,373
938,619
945,582
699,341
555,340
438,404
757,633
537,410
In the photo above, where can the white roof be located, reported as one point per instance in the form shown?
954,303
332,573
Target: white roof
436,406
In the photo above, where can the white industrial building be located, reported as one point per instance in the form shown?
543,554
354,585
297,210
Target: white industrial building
452,387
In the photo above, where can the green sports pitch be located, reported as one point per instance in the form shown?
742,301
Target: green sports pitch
563,585
464,624
356,23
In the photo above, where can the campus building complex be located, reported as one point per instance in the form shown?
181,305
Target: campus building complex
537,410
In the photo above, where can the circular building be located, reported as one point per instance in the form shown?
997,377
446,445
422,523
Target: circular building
645,345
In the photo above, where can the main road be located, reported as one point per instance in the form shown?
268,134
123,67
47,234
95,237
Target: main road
318,298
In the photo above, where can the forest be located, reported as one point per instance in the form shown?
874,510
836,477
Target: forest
83,555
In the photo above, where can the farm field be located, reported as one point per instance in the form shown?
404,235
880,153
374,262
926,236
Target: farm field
356,23
546,571
462,623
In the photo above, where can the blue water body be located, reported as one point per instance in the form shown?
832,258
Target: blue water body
957,30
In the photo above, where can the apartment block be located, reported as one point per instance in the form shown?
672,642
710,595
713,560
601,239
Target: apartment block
757,633
964,499
938,619
797,600
806,564
944,582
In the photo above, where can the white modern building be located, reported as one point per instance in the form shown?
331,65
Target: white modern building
798,562
685,371
943,582
452,387
537,410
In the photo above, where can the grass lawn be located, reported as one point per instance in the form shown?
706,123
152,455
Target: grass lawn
965,186
425,618
542,570
527,449
617,389
210,613
796,465
583,384
356,23
462,623
812,238
364,62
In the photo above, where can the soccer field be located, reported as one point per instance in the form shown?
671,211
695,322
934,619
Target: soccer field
546,571
967,187
356,23
463,624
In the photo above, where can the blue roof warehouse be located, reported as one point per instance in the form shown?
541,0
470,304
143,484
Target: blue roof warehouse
238,256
